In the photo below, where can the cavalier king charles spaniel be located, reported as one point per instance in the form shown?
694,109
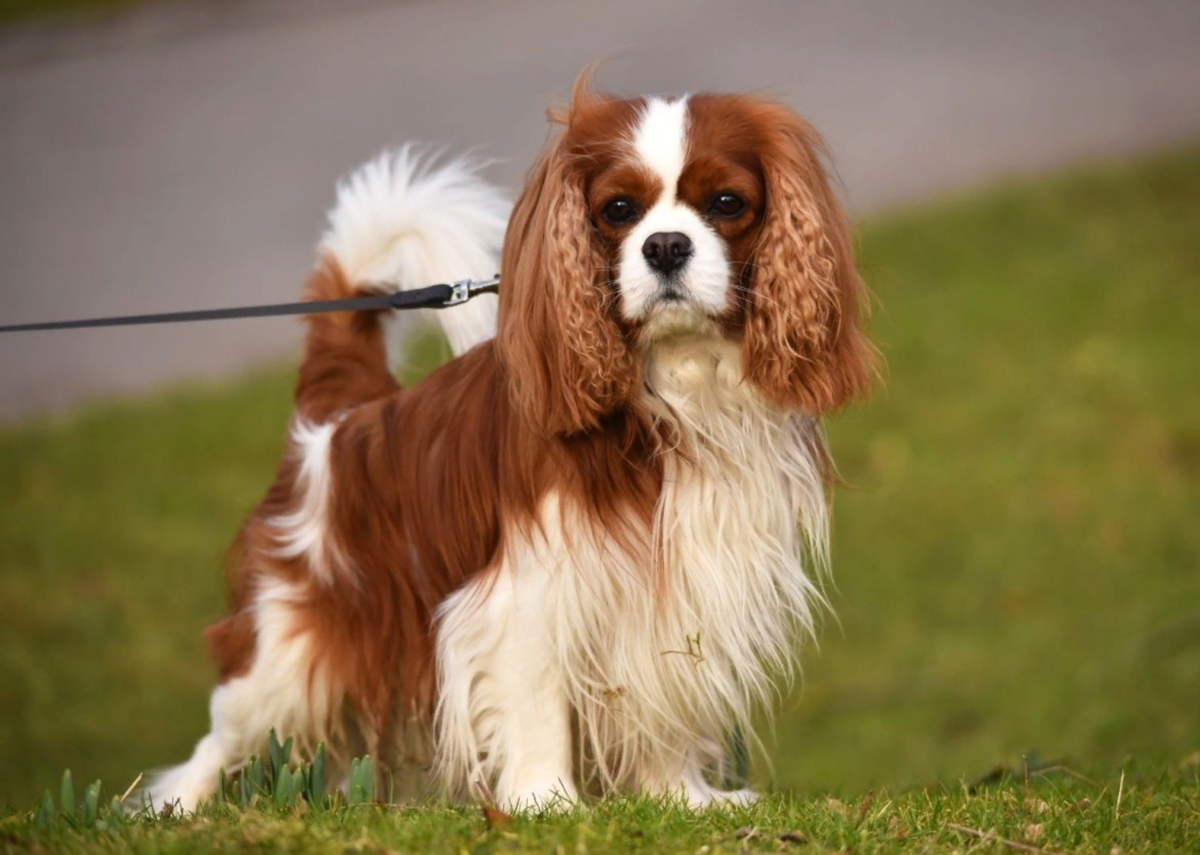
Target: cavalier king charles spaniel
578,557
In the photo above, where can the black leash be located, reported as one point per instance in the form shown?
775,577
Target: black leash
433,297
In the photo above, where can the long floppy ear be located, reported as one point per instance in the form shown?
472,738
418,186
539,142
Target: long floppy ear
804,347
567,361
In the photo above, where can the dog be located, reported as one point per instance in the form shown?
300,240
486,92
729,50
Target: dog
580,555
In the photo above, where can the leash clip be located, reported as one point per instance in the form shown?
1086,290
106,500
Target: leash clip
460,292
464,289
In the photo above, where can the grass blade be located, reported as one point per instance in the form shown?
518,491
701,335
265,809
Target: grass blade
316,777
66,794
284,788
362,781
91,804
258,777
274,751
45,813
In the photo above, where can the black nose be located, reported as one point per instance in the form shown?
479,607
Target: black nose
666,252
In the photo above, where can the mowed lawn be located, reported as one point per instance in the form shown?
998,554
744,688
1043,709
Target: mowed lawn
1016,562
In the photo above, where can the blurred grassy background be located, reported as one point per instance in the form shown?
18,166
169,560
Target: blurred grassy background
1016,559
12,11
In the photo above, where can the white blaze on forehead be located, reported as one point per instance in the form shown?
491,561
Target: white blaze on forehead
660,141
660,144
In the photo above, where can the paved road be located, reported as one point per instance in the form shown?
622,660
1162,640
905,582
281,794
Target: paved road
191,166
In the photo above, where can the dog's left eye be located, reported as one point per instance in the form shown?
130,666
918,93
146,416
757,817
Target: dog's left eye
726,205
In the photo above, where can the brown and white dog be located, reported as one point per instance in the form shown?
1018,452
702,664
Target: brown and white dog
578,556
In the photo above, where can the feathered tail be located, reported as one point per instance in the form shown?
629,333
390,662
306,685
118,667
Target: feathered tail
400,221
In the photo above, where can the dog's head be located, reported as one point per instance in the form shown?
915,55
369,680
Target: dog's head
650,219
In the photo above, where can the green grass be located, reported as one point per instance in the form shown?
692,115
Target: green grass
1017,562
1152,814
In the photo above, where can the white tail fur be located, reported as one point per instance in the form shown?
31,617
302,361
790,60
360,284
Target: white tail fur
407,220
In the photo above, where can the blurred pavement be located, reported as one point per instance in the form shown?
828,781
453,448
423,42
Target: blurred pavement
183,157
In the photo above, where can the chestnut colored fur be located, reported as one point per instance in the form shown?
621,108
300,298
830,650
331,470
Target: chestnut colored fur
423,478
428,482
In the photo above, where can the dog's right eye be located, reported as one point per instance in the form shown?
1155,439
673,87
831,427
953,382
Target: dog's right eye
619,212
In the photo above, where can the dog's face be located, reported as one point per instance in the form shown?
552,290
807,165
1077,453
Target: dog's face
678,210
653,219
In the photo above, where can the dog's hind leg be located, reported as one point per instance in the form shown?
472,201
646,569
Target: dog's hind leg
228,746
286,687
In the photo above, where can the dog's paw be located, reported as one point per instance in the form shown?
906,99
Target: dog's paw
554,799
735,798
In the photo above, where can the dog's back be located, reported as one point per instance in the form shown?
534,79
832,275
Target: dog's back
400,222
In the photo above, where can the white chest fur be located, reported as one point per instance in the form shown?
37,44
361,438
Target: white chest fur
656,655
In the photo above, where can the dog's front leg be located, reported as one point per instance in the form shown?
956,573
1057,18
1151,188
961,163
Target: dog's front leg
684,775
504,721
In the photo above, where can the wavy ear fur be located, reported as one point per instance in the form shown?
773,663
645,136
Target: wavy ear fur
567,361
803,347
